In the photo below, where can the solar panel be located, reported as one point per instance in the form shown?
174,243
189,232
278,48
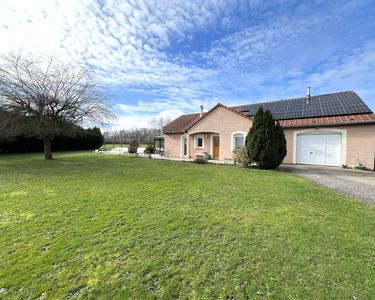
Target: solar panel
344,103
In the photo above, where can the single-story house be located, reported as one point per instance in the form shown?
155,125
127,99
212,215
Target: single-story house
332,129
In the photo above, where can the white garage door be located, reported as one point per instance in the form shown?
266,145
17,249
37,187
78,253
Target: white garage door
319,149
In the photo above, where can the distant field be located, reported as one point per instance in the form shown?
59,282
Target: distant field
107,147
88,226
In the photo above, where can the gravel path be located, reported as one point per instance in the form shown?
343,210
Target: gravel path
358,184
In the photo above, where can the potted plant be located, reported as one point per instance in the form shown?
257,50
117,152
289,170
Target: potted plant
133,148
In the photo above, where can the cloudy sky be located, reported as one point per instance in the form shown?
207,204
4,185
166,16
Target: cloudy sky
163,58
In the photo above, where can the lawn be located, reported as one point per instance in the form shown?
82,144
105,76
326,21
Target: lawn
103,227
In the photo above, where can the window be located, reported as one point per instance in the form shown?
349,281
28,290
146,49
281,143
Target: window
199,142
185,146
238,140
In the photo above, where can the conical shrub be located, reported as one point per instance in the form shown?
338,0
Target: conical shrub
265,142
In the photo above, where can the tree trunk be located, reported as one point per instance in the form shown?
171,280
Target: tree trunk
47,149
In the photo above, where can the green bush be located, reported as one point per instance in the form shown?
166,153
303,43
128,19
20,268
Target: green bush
280,142
150,149
241,158
265,142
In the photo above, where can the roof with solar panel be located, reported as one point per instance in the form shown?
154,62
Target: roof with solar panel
336,104
328,109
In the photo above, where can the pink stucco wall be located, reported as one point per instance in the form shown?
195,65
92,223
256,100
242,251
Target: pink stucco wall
172,144
289,146
194,150
361,144
223,122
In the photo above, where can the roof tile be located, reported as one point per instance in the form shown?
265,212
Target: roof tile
331,120
180,124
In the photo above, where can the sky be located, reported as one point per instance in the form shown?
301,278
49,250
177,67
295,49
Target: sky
165,58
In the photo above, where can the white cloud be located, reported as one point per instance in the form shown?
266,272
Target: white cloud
131,121
137,119
130,44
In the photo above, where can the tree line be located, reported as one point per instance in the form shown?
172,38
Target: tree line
141,135
126,136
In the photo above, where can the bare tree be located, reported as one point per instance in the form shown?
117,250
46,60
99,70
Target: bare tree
45,97
6,123
125,136
152,122
159,123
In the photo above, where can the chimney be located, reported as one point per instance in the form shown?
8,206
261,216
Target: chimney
308,94
201,114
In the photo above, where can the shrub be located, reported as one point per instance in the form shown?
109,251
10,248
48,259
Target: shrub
265,142
241,158
280,143
133,147
200,160
150,149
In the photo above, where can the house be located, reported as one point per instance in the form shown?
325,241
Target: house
332,129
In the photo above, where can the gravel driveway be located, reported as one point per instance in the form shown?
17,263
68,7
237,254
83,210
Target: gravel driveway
358,184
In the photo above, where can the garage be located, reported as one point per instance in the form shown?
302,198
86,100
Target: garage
319,149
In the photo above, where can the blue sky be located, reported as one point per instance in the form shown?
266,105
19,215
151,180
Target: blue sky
163,58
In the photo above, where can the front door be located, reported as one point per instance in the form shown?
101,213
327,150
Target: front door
215,147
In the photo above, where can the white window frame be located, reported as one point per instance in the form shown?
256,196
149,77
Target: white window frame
199,136
232,144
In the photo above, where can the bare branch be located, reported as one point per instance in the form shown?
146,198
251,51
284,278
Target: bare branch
49,96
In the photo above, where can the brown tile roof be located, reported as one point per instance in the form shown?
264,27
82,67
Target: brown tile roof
180,124
329,121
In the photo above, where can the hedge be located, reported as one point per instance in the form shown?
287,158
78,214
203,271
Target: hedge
84,139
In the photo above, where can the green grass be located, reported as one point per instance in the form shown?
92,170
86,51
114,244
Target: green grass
103,227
